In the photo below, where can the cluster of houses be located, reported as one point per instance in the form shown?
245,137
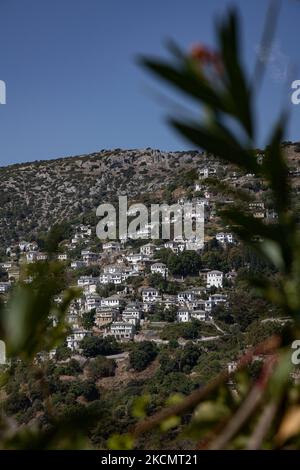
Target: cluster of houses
122,314
119,316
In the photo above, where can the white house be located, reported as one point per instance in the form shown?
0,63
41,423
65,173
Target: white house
160,268
72,318
62,257
132,313
111,246
135,308
225,237
122,331
31,246
105,315
197,304
89,256
113,268
214,301
194,245
148,249
111,278
77,264
257,209
6,265
200,315
175,246
183,315
186,296
4,287
130,318
231,366
91,288
218,299
134,258
115,278
23,245
206,171
85,230
41,256
150,294
112,301
214,279
31,256
73,340
92,301
169,301
171,245
84,281
78,237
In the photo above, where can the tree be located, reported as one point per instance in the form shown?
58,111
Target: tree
188,357
85,388
3,275
178,382
170,314
16,402
71,367
88,319
62,352
93,346
142,355
180,359
57,233
168,363
164,254
223,314
101,367
246,307
156,280
191,329
89,271
161,313
163,285
187,263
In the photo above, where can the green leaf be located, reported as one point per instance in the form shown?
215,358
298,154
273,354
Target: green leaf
121,442
187,79
218,141
170,423
140,405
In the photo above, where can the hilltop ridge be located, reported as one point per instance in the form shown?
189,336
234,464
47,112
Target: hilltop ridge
36,195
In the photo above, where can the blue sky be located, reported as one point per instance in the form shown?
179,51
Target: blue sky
73,85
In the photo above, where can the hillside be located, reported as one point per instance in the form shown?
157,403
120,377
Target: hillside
33,196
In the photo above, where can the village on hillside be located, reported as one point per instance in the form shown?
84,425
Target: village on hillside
137,290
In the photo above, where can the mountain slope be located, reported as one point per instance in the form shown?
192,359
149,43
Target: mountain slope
33,196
